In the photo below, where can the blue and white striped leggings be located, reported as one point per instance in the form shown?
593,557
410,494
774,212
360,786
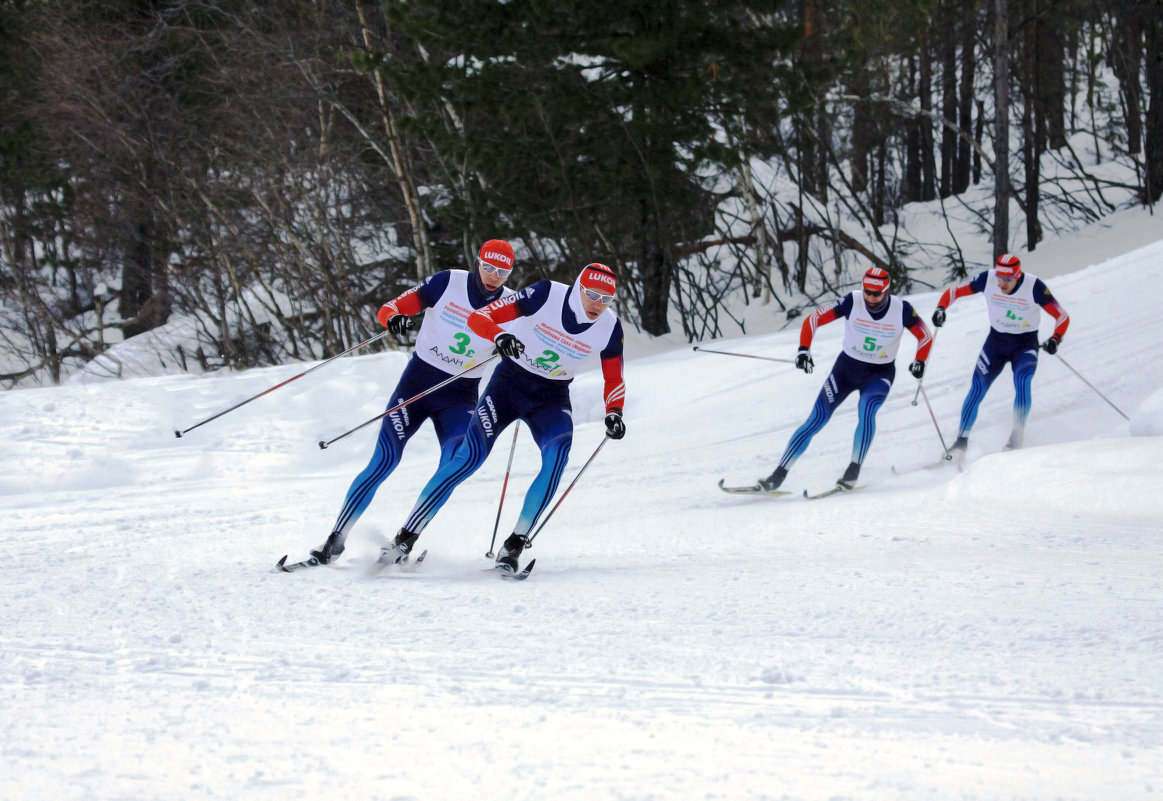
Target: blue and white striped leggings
449,408
512,394
1021,352
872,381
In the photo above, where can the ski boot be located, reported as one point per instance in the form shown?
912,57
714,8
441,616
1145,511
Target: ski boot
1015,441
510,551
330,550
772,482
848,480
398,551
960,445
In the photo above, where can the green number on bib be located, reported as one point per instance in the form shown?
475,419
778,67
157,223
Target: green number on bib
462,341
870,343
548,360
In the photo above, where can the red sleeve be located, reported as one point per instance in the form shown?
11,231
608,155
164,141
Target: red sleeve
484,322
951,294
1061,318
924,339
821,316
615,385
408,303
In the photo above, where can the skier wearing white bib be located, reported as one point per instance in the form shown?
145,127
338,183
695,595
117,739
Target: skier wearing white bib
874,324
445,346
550,331
1013,299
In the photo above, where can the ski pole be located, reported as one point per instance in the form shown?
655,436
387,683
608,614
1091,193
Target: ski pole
940,436
402,404
1092,386
745,355
601,445
365,343
497,524
918,392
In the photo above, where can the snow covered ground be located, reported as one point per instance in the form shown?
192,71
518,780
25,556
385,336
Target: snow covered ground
995,633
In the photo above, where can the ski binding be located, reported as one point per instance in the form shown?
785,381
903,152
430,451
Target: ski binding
505,573
754,489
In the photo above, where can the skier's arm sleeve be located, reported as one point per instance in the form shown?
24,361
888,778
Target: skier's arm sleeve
918,329
612,364
487,322
1044,298
963,290
821,316
422,296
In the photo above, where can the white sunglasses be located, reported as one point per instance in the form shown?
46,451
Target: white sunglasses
493,269
597,297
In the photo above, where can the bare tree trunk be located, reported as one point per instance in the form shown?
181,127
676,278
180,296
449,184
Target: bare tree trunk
814,128
1001,66
948,47
424,259
925,94
1126,58
761,274
1153,181
1031,156
965,94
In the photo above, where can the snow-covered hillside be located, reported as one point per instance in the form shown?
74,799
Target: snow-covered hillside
988,634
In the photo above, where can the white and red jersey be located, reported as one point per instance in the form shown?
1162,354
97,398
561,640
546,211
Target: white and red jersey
552,352
1016,313
445,340
557,339
871,337
875,341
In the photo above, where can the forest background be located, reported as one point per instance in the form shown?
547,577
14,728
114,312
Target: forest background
265,174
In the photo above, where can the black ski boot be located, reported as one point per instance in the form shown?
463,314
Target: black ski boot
330,550
772,482
510,551
848,480
399,549
960,445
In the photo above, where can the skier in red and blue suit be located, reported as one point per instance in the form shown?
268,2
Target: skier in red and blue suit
550,331
1013,299
874,323
445,346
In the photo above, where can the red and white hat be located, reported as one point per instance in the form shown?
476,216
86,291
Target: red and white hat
1008,266
498,253
876,280
599,278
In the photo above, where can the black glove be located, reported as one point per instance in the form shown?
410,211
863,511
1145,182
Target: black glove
939,317
615,428
917,368
1051,344
804,360
508,345
399,323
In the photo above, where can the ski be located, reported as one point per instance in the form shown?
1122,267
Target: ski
754,489
836,490
405,564
505,573
282,567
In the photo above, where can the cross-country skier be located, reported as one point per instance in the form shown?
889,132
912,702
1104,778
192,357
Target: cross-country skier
550,331
445,345
875,321
1012,298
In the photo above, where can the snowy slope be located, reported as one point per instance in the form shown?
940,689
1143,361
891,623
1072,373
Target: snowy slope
990,634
